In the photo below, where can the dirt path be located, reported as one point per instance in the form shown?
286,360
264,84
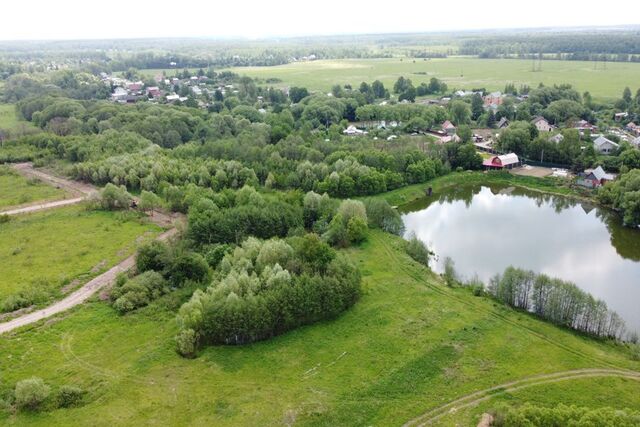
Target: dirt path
79,296
75,187
43,206
486,394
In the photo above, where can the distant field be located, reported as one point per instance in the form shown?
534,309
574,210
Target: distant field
458,72
409,345
9,119
51,248
17,190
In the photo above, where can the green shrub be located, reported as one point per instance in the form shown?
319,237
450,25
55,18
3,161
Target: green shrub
4,218
189,266
153,256
382,215
450,276
69,395
128,295
112,198
31,393
186,342
418,250
356,229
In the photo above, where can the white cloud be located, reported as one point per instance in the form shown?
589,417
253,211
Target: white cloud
72,19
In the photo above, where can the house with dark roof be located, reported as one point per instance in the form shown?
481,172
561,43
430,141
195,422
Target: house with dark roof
593,178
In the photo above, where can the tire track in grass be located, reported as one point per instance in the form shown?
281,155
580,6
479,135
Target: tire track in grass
480,396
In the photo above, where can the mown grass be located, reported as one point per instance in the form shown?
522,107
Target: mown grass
410,344
457,72
47,250
17,190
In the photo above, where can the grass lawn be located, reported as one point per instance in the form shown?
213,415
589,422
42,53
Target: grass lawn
17,190
457,72
410,344
49,249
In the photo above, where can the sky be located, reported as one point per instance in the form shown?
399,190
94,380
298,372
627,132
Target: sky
91,19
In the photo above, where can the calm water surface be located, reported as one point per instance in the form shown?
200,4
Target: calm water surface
486,229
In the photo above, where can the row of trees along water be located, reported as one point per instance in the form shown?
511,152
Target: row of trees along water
557,301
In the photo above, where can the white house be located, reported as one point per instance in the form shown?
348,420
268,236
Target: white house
604,145
542,124
636,142
119,94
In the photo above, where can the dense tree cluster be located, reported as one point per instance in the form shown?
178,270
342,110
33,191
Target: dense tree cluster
265,288
557,301
624,196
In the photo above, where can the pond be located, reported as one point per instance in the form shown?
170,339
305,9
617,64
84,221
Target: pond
485,229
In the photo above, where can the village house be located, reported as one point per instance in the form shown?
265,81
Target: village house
582,126
603,145
449,128
493,100
504,161
593,178
636,142
135,86
633,128
119,94
542,124
503,123
154,92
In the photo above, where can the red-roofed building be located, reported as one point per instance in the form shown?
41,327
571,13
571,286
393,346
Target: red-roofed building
505,161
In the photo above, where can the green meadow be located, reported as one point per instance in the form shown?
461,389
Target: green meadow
458,72
17,190
45,251
9,119
409,345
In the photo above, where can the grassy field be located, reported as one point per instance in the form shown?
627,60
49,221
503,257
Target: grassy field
8,118
48,250
409,345
458,72
17,190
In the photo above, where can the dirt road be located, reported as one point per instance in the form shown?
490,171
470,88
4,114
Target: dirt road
42,206
75,187
79,296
